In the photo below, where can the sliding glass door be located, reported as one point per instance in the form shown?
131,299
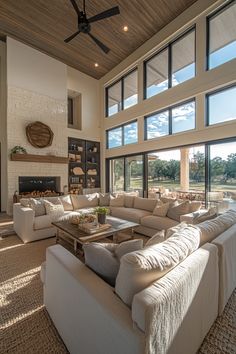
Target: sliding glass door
134,174
222,176
116,175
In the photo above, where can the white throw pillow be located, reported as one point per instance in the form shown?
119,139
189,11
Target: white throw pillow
140,269
127,247
55,211
66,202
117,201
161,210
155,239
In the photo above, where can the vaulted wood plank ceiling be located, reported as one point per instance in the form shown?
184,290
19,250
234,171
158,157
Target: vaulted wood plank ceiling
44,24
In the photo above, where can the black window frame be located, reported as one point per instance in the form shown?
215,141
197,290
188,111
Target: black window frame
208,18
214,92
169,49
121,80
122,127
169,109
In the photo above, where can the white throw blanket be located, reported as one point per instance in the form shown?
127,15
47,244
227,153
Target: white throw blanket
170,299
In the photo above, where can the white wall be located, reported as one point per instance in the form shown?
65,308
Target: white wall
90,93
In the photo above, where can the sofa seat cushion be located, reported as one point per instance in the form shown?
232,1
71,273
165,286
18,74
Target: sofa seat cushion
84,201
69,215
144,203
140,269
85,211
130,214
42,222
158,222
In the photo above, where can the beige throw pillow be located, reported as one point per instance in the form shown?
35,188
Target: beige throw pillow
194,206
176,211
104,199
127,247
38,206
144,203
161,210
55,211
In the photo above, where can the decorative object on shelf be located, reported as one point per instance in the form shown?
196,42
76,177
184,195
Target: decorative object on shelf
18,150
39,134
92,172
101,214
78,171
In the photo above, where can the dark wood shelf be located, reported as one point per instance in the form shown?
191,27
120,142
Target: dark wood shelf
39,158
85,164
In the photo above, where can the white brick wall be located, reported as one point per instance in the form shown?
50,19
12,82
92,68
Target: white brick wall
25,107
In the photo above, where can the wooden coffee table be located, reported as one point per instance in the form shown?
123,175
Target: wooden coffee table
70,232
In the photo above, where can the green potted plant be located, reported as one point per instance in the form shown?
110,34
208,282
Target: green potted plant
101,214
18,150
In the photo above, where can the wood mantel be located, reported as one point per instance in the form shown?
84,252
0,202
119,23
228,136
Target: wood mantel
39,158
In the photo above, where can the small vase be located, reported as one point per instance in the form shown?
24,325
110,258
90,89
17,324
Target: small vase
101,218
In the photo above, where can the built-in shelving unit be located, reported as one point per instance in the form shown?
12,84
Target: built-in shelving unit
84,165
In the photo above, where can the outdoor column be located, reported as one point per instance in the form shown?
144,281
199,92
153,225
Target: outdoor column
184,169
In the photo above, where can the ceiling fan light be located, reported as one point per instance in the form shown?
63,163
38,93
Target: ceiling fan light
125,28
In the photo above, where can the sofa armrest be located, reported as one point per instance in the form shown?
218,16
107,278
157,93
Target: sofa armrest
85,310
23,218
189,218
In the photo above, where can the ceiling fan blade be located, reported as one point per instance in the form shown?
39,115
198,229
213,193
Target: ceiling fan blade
99,43
71,37
105,14
75,6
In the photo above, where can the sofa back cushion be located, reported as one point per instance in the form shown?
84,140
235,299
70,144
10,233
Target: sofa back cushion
129,201
84,201
141,268
144,203
176,211
117,201
210,229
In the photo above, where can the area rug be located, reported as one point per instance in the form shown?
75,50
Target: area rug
25,326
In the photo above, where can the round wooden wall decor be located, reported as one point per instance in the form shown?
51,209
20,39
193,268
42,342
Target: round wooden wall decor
39,134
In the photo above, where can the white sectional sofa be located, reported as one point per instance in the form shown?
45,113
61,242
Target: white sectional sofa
31,225
170,310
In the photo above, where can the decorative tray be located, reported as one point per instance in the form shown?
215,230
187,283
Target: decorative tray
91,228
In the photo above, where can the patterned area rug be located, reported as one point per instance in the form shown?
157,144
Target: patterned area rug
25,326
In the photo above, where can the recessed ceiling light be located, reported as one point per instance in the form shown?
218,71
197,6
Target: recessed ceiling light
125,28
96,65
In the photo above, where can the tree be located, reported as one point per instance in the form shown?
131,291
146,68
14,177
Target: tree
217,167
172,169
197,167
230,166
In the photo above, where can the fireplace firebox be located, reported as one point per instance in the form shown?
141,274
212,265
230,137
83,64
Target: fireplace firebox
39,185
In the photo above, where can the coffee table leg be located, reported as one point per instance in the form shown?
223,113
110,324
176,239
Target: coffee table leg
57,236
115,237
75,247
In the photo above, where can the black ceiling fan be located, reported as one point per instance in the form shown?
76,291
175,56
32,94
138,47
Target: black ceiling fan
84,23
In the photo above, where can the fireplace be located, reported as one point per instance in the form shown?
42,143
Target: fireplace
39,186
